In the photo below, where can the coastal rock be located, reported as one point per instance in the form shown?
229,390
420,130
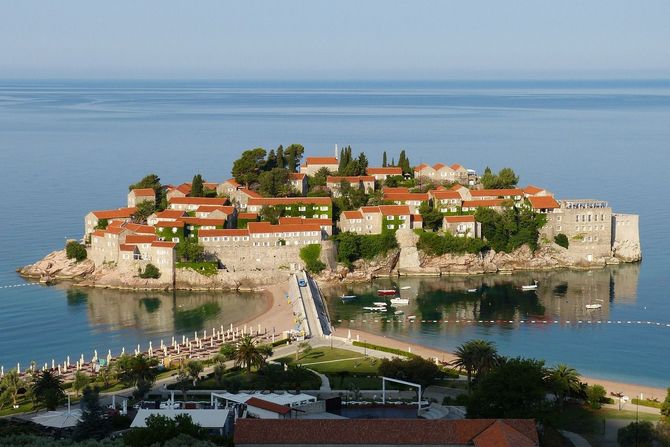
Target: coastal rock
57,266
627,250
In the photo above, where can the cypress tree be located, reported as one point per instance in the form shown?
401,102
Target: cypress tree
281,162
197,189
384,163
272,161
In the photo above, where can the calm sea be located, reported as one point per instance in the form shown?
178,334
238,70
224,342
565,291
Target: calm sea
67,147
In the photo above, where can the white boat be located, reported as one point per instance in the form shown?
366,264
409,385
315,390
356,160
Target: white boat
399,301
345,298
472,290
411,317
398,312
405,288
594,306
375,309
530,286
381,303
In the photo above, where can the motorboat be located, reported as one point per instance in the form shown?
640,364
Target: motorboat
472,290
375,308
397,301
381,303
530,286
346,298
411,317
386,292
405,288
398,312
593,306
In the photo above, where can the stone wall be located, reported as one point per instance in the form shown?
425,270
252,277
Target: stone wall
235,259
626,237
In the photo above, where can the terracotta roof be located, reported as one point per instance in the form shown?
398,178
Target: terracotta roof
139,229
266,405
420,167
233,182
394,210
223,232
114,214
184,188
532,190
250,193
380,431
170,214
126,247
445,194
210,185
321,161
114,230
350,179
417,217
482,203
543,202
211,208
116,223
459,219
400,189
271,201
164,244
392,170
144,192
370,209
438,166
266,227
496,192
296,175
456,167
403,197
98,233
352,214
456,187
201,221
247,216
199,200
170,224
140,238
502,434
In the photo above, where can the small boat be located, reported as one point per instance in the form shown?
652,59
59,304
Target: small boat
530,286
380,303
593,306
472,290
375,309
385,292
405,288
398,312
411,317
399,301
346,298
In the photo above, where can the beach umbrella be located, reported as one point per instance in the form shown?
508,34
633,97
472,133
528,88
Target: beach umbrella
138,348
165,351
151,349
195,335
183,339
273,338
204,333
95,355
59,369
2,371
109,357
231,326
349,335
123,350
53,364
45,366
67,360
245,330
81,359
162,344
259,329
357,337
18,368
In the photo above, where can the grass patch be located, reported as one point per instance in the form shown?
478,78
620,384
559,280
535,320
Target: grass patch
646,403
608,413
204,268
320,355
238,379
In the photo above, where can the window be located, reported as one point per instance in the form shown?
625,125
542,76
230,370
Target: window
390,227
324,208
302,208
175,239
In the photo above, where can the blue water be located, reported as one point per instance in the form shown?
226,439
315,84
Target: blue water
70,146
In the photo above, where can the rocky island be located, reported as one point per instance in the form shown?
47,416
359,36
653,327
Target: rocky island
338,218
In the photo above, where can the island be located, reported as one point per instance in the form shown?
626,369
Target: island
341,220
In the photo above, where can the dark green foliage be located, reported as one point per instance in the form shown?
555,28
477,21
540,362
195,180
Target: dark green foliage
595,394
144,210
350,166
137,371
274,183
271,162
435,244
293,155
432,217
353,246
404,163
350,199
94,422
281,161
319,178
515,389
271,214
149,181
476,358
102,224
161,429
190,250
506,178
384,160
562,240
150,271
665,407
47,390
248,167
510,229
197,189
228,351
75,250
636,434
414,369
310,256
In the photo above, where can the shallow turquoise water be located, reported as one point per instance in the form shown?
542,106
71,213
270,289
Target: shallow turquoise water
68,147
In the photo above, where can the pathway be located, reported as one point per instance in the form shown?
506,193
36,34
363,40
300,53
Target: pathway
577,440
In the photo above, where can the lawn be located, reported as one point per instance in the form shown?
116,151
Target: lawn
324,354
265,379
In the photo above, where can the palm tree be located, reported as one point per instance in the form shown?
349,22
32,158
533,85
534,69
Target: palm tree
47,389
465,360
476,357
10,385
247,354
563,379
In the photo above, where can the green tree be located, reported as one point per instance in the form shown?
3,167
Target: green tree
293,155
281,161
515,389
310,256
432,217
319,178
47,390
562,240
190,250
219,373
476,357
10,386
183,382
228,351
138,371
271,214
636,434
94,423
75,250
404,163
348,248
149,181
81,381
274,183
197,188
595,394
300,348
248,167
143,211
665,407
160,429
384,161
362,164
194,368
102,224
150,271
247,354
506,178
107,375
563,380
271,162
415,369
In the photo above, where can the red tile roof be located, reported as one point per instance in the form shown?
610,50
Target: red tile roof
138,228
114,214
273,201
496,192
459,219
382,431
199,200
438,166
302,221
164,244
352,214
532,190
170,224
203,222
421,167
482,203
98,233
210,185
445,194
400,189
250,193
296,175
223,232
232,182
350,179
184,188
394,210
392,170
266,405
126,247
266,227
322,161
543,202
140,238
116,223
144,192
370,209
170,214
211,208
417,217
456,167
501,434
407,196
115,230
247,216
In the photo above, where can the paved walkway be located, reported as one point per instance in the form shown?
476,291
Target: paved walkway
325,382
577,440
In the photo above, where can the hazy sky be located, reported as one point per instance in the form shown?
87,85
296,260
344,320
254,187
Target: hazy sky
334,39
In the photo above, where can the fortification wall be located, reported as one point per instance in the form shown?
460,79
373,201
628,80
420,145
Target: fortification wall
257,258
626,237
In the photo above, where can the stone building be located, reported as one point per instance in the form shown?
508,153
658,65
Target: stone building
193,203
412,199
312,207
137,196
313,164
446,200
92,219
462,226
379,219
441,173
362,182
298,182
381,174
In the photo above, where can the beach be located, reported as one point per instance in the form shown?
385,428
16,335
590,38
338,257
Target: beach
277,317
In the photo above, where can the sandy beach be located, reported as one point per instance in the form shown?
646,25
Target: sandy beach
278,315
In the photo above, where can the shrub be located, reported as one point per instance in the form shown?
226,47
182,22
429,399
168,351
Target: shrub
562,240
310,256
435,244
636,434
150,271
74,250
351,246
510,229
594,395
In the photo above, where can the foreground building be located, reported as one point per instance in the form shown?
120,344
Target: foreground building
379,219
313,164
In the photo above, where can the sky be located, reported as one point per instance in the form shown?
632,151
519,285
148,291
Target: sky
318,39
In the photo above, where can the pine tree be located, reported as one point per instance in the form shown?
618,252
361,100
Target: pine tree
272,161
281,161
384,163
197,189
393,161
341,166
362,164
